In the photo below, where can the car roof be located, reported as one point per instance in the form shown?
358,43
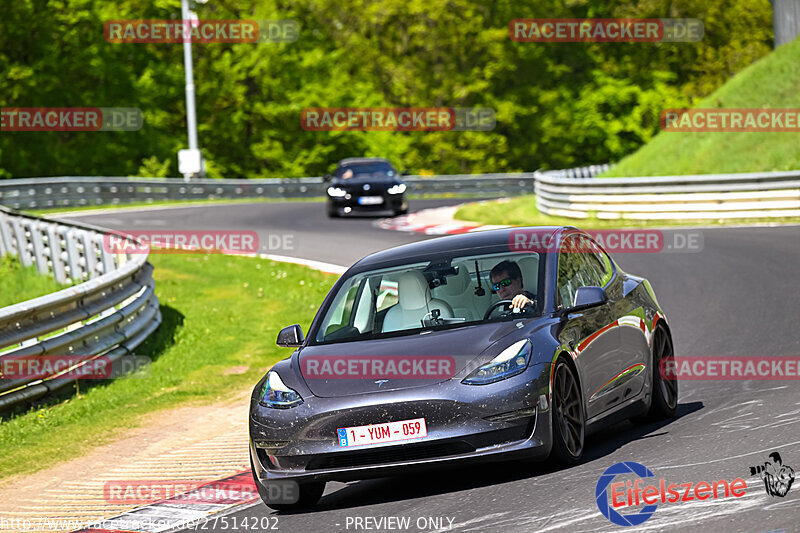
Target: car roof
479,241
362,161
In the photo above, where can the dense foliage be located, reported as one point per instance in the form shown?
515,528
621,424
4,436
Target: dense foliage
558,104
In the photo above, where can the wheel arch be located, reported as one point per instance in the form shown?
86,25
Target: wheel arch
569,359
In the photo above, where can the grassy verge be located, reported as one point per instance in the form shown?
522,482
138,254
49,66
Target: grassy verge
18,283
220,314
521,211
771,82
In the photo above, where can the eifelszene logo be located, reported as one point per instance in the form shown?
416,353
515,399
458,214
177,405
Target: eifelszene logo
601,494
633,494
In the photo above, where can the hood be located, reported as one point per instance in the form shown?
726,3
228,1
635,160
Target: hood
416,360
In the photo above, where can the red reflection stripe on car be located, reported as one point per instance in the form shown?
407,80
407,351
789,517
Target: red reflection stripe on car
588,340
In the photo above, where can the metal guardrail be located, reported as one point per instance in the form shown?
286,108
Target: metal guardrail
578,172
72,191
109,314
38,193
712,196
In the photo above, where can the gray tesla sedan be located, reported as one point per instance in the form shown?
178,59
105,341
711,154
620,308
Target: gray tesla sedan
509,344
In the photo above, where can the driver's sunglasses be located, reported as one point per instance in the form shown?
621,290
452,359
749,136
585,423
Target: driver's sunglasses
502,283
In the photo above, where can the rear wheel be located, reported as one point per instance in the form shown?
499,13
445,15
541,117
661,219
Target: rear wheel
568,417
665,387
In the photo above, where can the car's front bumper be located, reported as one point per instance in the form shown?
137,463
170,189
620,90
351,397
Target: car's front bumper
391,202
465,423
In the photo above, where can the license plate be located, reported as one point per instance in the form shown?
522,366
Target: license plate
370,200
388,432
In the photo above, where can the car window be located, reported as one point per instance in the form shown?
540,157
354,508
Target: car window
368,304
367,170
578,266
341,310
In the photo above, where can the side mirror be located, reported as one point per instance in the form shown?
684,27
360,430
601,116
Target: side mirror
586,297
291,336
405,173
327,177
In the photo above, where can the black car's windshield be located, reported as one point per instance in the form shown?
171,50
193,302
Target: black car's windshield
362,171
441,293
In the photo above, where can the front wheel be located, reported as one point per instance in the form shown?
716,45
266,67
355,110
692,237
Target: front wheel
568,417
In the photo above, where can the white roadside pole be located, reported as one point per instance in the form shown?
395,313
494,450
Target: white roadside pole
190,162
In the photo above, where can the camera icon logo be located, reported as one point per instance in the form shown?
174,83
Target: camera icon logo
777,477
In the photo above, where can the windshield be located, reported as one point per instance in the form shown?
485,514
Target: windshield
441,293
366,171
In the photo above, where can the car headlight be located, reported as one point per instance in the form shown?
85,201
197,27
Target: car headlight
277,395
511,361
336,192
400,188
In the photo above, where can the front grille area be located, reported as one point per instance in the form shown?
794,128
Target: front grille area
407,452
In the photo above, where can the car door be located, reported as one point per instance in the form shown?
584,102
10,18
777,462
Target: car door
592,334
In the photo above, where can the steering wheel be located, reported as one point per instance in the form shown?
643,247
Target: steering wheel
501,303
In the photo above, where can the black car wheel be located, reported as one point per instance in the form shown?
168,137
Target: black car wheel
333,212
568,419
400,212
665,388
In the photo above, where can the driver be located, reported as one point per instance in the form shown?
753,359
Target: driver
506,279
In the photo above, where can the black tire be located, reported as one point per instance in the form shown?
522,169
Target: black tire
664,403
401,212
568,416
333,212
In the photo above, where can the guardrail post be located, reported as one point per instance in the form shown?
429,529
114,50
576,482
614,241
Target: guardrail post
73,255
39,249
22,243
106,256
6,243
89,254
56,254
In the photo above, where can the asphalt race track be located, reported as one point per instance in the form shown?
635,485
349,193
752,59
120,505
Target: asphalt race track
735,297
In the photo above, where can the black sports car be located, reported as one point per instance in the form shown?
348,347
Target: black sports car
365,184
418,357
